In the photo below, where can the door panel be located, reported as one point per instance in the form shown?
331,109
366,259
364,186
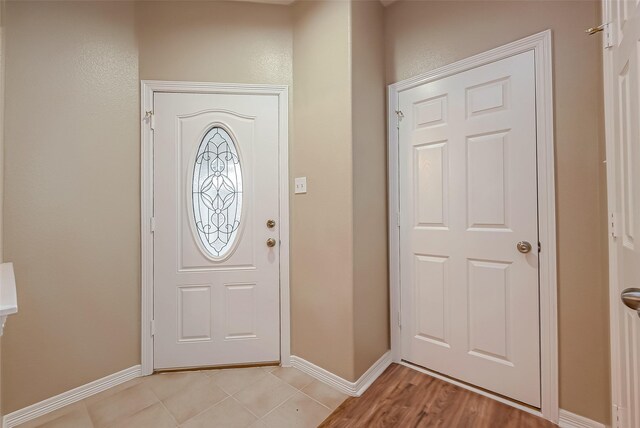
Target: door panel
470,306
432,299
486,180
623,164
431,178
489,310
216,283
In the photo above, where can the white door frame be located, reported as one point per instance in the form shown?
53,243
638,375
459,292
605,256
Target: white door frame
541,45
612,171
148,88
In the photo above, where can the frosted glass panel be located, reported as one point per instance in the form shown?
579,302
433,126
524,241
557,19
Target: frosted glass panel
217,192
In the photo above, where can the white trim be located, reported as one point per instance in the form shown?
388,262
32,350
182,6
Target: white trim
617,383
3,58
354,389
149,87
80,393
541,45
571,420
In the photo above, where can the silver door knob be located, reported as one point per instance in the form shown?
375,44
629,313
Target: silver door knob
523,246
271,242
631,298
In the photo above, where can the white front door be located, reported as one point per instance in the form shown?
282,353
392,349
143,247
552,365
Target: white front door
468,196
623,176
216,277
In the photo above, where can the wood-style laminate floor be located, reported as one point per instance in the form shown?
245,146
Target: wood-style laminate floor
402,397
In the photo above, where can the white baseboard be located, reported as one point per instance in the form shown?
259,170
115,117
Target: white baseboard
354,389
571,420
80,393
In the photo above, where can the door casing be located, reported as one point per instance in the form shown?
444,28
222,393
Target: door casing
148,88
541,45
610,36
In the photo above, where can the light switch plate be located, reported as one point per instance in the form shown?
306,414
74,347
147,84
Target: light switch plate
301,185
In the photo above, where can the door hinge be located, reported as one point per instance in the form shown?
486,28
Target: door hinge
607,34
539,247
613,225
153,327
152,224
398,219
400,116
618,416
149,116
399,321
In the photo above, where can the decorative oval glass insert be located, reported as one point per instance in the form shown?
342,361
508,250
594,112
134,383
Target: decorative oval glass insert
217,192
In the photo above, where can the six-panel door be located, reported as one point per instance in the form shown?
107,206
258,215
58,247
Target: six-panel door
469,297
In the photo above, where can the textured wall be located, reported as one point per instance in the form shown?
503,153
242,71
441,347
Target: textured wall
371,277
71,196
339,251
233,42
422,36
322,227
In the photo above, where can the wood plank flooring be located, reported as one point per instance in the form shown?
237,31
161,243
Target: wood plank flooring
402,397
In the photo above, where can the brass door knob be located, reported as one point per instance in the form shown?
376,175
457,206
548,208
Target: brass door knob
271,224
523,246
271,242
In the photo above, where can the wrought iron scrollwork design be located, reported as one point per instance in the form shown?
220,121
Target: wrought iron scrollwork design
217,192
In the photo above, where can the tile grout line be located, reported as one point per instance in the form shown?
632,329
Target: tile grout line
245,407
86,409
281,404
249,410
84,403
246,386
323,405
115,422
211,406
163,405
224,399
208,408
304,393
289,398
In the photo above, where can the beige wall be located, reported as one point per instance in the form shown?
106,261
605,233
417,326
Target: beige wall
71,196
339,267
321,223
371,284
421,36
214,41
72,154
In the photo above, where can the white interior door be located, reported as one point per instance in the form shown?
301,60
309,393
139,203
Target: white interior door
623,165
467,162
216,279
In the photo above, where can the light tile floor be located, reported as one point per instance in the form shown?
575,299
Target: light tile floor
259,397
